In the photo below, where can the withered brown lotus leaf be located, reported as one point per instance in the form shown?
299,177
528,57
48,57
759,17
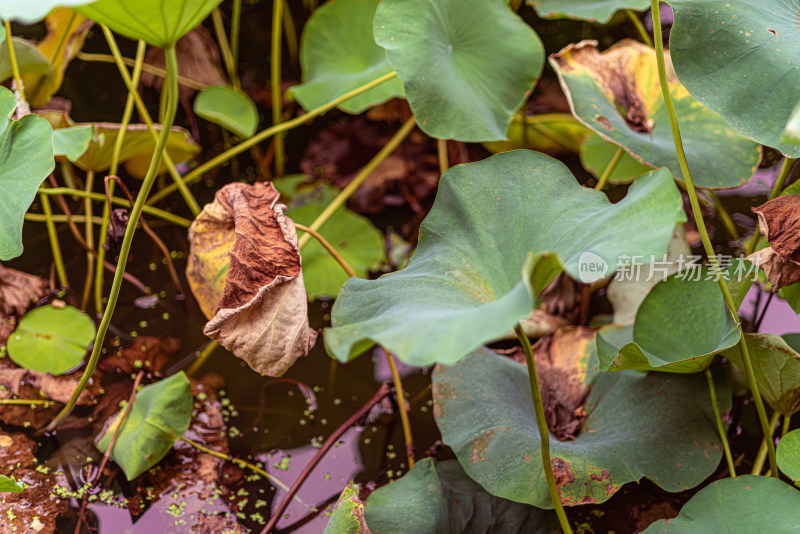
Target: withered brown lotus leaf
244,269
779,222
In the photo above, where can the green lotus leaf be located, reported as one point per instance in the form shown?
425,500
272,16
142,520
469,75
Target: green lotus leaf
439,498
788,455
227,107
546,132
157,22
51,340
72,142
596,153
26,158
466,65
791,134
700,326
499,231
30,59
776,364
483,408
348,515
9,485
744,505
791,294
352,235
739,59
338,54
160,414
31,11
617,94
592,10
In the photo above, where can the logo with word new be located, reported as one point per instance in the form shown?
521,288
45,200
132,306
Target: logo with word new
591,267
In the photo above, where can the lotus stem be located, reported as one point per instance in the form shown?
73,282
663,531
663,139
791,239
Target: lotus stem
12,57
441,151
777,187
218,160
88,236
544,433
202,357
275,84
362,175
27,402
601,183
40,217
52,235
398,383
146,67
172,104
639,27
236,25
194,207
701,227
225,48
723,214
758,465
290,31
723,436
115,156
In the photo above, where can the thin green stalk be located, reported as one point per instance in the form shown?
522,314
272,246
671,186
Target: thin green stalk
150,210
172,105
202,357
40,217
27,402
701,227
290,31
348,191
224,47
441,150
723,436
218,160
787,421
544,433
88,236
237,461
398,382
758,465
777,187
730,226
52,235
601,183
146,67
194,207
112,171
12,57
639,27
236,26
275,84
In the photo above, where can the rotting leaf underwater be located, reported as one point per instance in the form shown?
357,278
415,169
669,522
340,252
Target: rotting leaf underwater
18,291
260,313
779,222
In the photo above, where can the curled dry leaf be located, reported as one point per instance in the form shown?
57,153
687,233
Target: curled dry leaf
18,291
244,269
779,221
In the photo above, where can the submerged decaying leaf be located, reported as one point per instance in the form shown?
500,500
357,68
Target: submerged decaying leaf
149,353
36,508
245,271
18,291
779,222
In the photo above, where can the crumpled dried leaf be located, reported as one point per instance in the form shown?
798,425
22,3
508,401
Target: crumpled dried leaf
18,291
260,313
779,222
21,510
561,362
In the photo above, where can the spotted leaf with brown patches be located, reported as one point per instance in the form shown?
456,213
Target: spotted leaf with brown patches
617,94
779,222
348,514
245,271
482,406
